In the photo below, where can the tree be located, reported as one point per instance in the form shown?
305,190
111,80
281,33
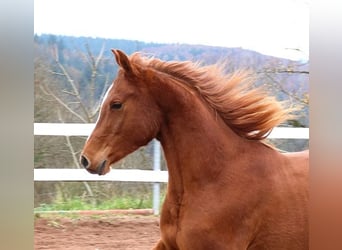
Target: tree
289,81
67,103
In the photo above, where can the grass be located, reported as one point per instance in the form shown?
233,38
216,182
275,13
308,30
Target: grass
80,204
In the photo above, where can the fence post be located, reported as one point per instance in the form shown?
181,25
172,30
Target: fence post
156,185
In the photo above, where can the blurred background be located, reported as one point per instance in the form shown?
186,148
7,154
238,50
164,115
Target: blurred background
73,68
71,75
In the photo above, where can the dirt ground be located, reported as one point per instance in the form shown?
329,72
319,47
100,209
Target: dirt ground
96,232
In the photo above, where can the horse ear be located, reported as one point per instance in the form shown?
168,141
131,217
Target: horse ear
123,60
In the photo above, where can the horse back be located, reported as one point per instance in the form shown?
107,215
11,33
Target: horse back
300,158
286,223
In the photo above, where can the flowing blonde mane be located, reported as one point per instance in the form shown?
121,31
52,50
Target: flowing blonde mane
248,111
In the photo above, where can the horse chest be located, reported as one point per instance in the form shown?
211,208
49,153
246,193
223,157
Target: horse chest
183,227
169,223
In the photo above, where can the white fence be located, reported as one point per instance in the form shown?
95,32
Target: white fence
155,176
83,129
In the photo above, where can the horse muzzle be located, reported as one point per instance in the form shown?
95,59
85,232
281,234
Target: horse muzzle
99,169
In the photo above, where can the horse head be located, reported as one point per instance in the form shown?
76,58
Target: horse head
128,119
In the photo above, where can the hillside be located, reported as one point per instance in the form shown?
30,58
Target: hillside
285,78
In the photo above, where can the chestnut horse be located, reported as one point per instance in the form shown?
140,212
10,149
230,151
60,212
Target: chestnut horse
227,188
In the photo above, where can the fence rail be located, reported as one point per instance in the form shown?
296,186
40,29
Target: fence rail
84,129
155,176
130,175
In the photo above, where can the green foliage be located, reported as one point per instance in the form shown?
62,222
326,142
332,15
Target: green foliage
128,202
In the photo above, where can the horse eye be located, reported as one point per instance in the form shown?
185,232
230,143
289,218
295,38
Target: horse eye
116,105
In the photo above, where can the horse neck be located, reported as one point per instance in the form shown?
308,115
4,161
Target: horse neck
195,140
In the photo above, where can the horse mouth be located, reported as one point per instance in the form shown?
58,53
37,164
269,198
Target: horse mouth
101,168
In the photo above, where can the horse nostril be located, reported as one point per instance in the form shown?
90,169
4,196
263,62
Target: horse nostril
84,161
